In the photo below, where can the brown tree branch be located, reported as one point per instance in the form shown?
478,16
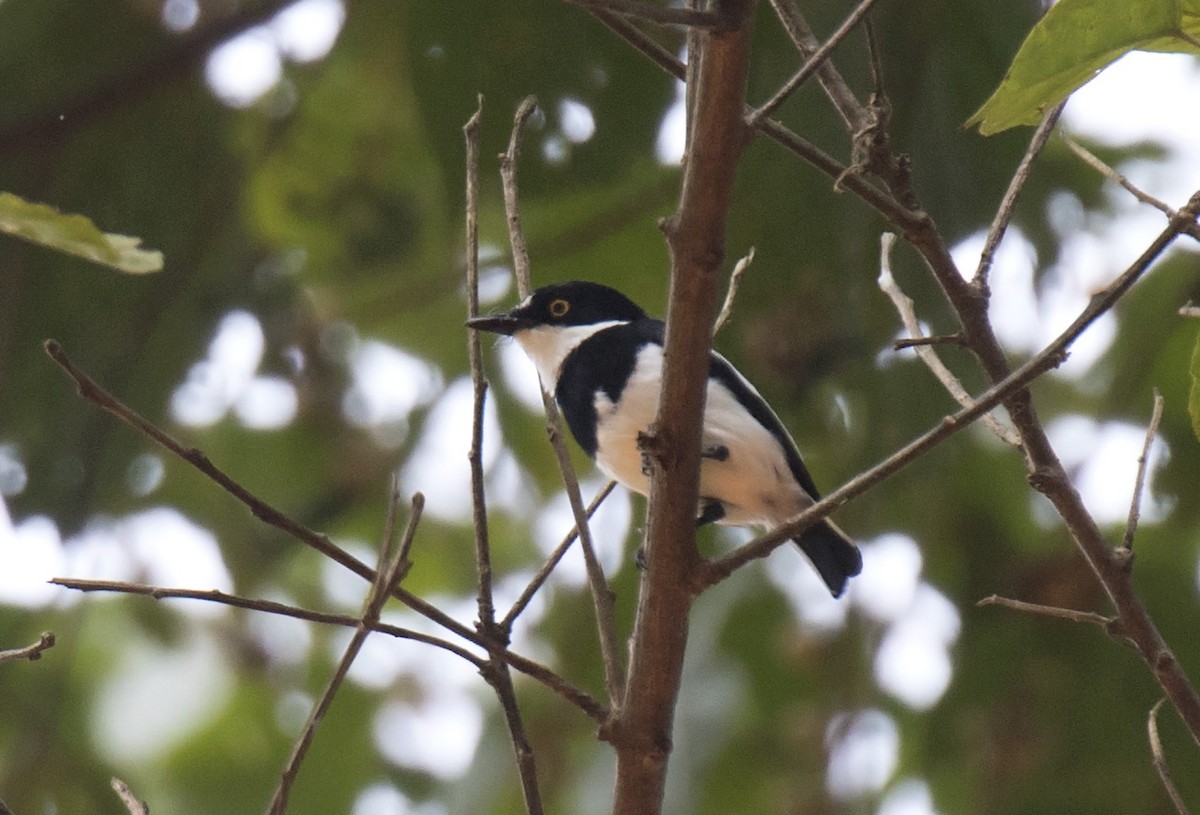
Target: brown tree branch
1009,202
853,112
1160,760
641,729
91,391
1108,171
813,61
30,652
735,282
1053,612
496,673
1135,503
908,316
393,565
603,599
133,805
535,670
543,574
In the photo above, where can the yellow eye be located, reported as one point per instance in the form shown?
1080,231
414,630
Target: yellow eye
559,308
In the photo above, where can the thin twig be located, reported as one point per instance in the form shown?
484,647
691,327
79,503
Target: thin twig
1108,171
1160,759
131,802
735,281
30,652
539,579
1054,612
90,390
509,160
812,64
100,397
937,339
581,699
852,111
483,559
908,315
602,595
1135,505
392,568
496,672
1188,310
265,606
662,15
1009,202
265,512
1006,389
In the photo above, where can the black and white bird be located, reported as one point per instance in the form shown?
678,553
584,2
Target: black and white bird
600,357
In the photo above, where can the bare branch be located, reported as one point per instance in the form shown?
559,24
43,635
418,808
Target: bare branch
602,595
392,567
496,672
91,391
1136,503
735,281
581,699
938,339
812,63
662,15
483,559
30,652
131,802
1189,310
908,315
1107,170
717,134
1054,612
1160,759
853,113
1009,202
512,206
552,561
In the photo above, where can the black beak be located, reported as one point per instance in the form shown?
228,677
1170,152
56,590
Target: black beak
506,324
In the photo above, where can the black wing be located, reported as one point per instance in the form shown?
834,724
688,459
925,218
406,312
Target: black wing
602,362
720,369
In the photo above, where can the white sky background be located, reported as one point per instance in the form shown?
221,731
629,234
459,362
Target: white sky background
1137,99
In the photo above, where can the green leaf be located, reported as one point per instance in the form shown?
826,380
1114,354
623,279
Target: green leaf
75,235
1073,42
1194,392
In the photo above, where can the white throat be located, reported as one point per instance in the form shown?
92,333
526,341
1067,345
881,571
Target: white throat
549,345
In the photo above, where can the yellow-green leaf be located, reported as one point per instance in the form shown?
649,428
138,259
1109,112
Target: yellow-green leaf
1073,42
75,235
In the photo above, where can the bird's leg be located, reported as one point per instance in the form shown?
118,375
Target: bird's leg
717,452
711,511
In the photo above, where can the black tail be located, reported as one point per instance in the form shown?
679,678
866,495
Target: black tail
832,553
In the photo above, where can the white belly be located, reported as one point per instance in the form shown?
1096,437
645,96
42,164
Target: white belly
754,482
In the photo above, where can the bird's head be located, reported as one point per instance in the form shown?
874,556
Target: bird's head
554,320
562,305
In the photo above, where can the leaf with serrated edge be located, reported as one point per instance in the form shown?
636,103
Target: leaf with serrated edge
75,235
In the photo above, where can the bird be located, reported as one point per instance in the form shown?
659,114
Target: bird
600,357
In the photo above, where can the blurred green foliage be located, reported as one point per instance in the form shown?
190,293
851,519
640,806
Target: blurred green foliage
333,209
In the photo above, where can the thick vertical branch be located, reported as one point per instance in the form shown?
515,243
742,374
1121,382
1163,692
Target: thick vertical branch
641,730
